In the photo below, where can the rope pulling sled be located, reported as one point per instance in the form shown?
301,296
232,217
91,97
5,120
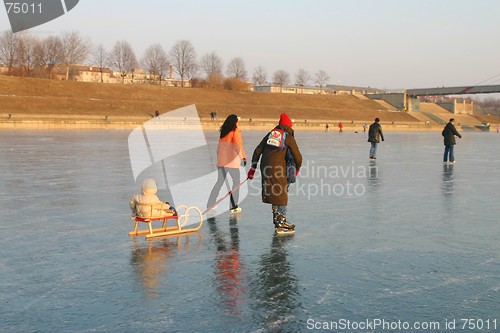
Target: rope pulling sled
181,215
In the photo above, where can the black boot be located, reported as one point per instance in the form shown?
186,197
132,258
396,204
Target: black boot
282,223
275,215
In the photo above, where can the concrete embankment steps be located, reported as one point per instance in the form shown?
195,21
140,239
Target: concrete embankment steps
385,105
360,96
440,116
460,119
423,118
432,108
435,118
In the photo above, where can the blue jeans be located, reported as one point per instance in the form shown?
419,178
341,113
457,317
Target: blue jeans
221,179
448,151
373,149
279,209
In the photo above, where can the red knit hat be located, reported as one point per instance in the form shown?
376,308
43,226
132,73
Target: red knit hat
285,120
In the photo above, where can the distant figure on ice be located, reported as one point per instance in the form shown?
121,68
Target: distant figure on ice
276,176
365,127
327,126
341,127
449,133
140,203
374,136
230,155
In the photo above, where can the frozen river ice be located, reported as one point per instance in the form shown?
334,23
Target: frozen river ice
403,239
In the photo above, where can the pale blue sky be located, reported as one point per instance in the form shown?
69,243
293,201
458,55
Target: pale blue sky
378,43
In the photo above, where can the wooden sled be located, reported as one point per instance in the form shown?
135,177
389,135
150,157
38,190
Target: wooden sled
183,216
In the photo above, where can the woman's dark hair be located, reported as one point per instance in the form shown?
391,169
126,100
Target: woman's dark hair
229,125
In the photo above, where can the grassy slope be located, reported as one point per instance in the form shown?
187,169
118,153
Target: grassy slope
51,97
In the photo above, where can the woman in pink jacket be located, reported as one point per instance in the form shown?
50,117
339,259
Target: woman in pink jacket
230,156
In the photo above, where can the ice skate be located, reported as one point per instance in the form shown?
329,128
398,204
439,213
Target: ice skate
235,210
282,226
282,231
212,213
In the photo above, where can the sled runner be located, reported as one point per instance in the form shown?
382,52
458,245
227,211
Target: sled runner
183,216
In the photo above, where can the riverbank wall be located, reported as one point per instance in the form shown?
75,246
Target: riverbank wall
26,121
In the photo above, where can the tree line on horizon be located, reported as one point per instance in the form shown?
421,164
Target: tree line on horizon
23,54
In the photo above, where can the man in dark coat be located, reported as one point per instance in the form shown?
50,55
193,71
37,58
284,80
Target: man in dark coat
374,136
449,133
273,167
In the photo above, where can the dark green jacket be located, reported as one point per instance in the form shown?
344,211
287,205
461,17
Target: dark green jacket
449,133
375,133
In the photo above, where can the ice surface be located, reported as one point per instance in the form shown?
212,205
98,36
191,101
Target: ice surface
403,238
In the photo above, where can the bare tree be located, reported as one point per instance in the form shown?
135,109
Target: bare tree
259,76
156,61
322,78
183,58
280,77
489,105
8,50
123,59
211,64
50,53
75,50
236,69
26,54
302,77
101,58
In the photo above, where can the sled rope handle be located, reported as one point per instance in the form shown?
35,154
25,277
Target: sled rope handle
224,197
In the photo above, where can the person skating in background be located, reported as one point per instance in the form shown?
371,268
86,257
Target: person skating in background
449,132
230,155
341,127
374,136
273,148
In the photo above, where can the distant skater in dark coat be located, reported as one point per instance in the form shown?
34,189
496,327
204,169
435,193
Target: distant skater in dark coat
449,133
374,136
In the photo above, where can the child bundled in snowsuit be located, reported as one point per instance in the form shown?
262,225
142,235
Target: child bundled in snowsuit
148,197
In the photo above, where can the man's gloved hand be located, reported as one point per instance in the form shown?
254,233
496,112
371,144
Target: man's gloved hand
251,173
244,162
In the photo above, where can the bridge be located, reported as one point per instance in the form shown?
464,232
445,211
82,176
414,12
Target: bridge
453,91
408,100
